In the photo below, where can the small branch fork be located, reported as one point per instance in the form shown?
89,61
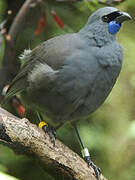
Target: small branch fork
26,138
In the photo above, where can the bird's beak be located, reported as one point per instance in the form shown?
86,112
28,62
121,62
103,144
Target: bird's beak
123,16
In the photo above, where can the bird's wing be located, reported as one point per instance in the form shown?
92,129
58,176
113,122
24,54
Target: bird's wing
52,52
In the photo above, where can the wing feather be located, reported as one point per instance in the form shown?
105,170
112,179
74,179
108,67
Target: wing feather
51,52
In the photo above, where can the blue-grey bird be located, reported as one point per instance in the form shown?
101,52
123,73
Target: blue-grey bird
68,77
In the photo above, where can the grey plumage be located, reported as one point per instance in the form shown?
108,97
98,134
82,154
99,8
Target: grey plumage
69,76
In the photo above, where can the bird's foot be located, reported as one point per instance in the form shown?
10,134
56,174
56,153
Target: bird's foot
96,169
90,163
49,130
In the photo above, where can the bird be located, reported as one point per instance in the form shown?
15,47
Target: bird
68,77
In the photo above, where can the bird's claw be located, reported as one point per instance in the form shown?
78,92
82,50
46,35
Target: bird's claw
51,132
95,168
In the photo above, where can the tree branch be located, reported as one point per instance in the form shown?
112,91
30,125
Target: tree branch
9,68
26,138
110,2
19,19
107,2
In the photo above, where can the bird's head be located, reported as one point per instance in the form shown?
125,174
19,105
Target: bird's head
110,17
106,21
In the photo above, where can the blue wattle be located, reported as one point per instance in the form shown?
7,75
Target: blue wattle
114,27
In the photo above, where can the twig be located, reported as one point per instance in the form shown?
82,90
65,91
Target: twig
18,21
107,2
26,138
110,2
9,68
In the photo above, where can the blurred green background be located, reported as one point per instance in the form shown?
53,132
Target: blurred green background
110,132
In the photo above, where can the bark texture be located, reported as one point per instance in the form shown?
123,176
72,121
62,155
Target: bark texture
26,138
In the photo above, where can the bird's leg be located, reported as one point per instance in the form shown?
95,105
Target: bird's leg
86,155
47,129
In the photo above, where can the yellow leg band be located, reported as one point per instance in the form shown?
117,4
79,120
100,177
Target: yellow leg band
42,123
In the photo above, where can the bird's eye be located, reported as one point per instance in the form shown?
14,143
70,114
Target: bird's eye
110,17
105,19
